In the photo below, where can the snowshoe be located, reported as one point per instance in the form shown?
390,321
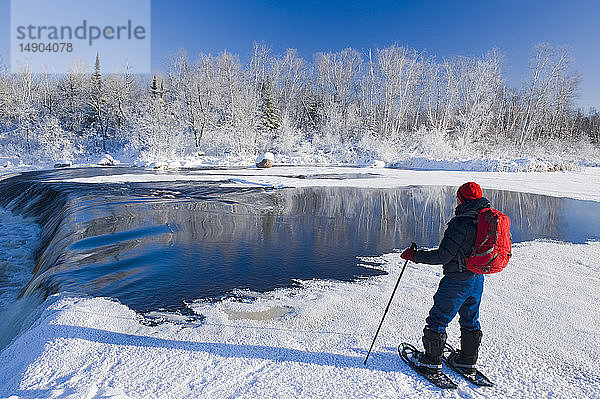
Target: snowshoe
470,373
409,354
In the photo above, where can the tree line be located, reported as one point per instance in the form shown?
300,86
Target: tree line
391,98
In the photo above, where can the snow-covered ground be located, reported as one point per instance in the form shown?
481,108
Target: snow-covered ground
307,155
539,316
584,184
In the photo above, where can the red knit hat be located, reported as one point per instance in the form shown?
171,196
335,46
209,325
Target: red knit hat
469,191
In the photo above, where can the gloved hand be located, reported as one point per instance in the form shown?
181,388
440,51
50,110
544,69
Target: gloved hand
409,253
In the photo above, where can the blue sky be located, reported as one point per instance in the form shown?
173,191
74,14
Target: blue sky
441,28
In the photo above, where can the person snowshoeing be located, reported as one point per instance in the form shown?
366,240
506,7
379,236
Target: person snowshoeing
459,290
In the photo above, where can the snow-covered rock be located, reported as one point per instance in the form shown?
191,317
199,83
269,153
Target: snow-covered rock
159,165
265,160
10,162
107,160
63,164
377,164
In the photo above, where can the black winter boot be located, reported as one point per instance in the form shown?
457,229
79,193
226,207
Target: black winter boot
433,342
469,348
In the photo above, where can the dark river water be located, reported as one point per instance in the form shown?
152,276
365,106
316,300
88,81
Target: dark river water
157,245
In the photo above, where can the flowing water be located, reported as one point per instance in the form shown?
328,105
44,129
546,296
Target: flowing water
156,245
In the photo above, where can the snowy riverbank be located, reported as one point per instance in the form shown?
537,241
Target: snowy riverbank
540,323
577,159
584,184
541,340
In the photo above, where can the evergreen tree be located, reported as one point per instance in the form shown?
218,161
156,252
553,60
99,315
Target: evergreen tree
97,77
97,102
156,90
270,114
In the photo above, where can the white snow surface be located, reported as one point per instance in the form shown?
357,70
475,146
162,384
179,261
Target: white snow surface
265,155
540,320
583,184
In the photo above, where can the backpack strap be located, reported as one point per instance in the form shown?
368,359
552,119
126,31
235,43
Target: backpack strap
474,216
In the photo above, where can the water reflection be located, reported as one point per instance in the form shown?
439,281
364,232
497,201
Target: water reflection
155,245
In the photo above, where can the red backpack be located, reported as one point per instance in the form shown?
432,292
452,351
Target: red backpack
492,244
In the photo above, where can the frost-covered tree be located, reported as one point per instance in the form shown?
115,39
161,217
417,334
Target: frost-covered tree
55,143
158,130
7,101
183,78
399,79
238,104
587,125
72,95
206,95
549,94
387,100
292,89
25,109
479,94
336,84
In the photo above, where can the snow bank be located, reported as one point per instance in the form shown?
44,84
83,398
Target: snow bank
490,165
540,339
584,184
311,157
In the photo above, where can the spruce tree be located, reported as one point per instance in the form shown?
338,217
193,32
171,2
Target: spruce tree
270,114
156,90
97,103
97,77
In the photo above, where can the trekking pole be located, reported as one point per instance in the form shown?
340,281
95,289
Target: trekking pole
414,247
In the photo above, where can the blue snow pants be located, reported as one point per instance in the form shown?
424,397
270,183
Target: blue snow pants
456,296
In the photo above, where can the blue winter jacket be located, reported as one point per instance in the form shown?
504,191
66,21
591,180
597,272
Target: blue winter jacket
458,241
